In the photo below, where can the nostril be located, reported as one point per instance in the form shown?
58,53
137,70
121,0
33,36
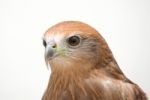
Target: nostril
54,46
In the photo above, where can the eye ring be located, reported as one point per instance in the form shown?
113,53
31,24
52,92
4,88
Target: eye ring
44,43
73,40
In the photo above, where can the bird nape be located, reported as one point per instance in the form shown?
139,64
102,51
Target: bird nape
83,66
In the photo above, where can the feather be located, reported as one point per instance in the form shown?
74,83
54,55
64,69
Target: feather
89,71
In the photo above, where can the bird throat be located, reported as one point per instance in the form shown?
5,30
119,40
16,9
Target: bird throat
65,83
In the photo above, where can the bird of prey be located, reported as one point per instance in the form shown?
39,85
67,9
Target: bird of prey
83,67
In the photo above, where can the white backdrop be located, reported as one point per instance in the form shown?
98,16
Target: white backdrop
125,24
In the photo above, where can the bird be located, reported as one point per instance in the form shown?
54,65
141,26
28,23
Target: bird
83,66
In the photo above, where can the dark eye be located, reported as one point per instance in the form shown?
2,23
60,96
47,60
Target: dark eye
44,43
74,40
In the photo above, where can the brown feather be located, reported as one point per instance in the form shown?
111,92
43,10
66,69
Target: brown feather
101,79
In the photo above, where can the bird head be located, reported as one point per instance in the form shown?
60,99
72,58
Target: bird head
73,44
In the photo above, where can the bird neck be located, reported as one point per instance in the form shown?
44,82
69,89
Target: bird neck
69,75
66,80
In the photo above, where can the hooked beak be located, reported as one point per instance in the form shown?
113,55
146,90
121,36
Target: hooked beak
50,52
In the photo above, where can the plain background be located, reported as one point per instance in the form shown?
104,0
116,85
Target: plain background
125,24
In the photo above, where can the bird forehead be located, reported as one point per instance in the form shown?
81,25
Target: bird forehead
59,37
54,37
68,27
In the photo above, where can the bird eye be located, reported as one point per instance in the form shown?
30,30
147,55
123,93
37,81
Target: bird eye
73,41
44,43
